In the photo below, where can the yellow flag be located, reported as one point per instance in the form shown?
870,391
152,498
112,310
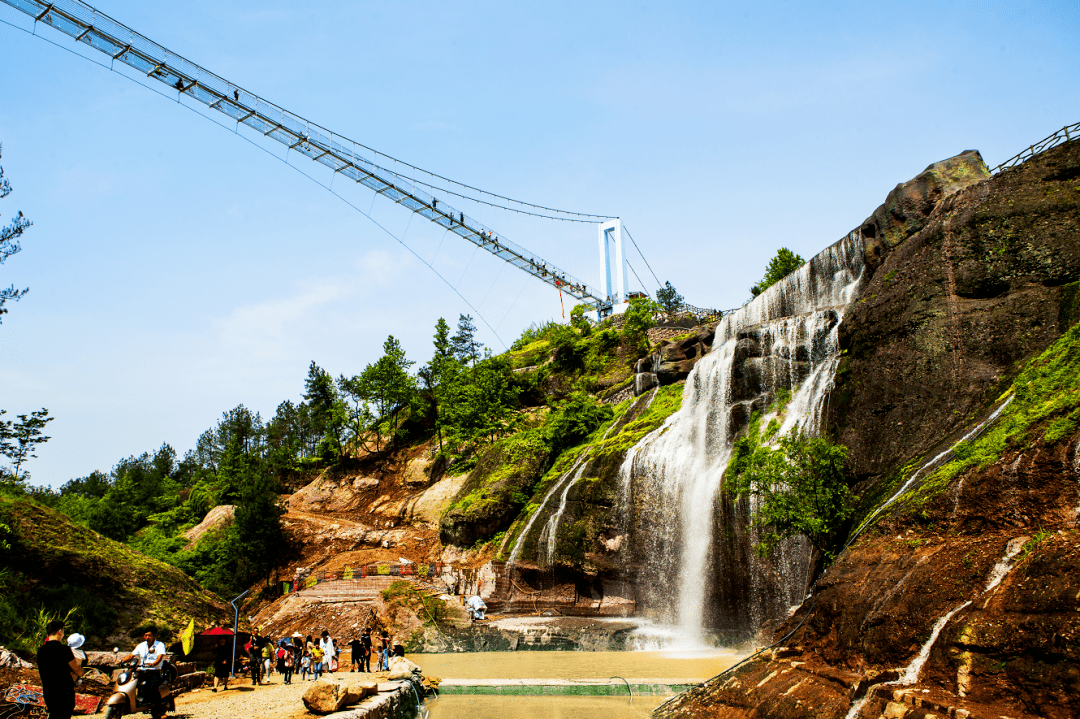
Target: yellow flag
187,637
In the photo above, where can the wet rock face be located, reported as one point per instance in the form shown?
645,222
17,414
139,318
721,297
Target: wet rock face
493,494
1013,650
949,313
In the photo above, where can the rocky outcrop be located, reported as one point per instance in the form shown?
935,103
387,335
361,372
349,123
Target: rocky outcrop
495,491
997,557
119,587
528,633
673,359
963,602
908,207
219,516
947,315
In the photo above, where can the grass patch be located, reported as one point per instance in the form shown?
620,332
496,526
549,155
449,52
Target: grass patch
1046,404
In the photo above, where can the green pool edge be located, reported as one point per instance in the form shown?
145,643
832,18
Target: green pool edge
568,688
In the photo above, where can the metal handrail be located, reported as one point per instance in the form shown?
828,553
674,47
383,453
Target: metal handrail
1065,134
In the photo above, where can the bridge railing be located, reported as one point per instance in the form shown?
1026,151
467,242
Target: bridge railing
1065,134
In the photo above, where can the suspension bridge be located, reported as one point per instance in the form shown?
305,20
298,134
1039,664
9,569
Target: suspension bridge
344,157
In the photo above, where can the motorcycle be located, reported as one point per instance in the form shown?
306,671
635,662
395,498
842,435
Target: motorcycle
129,694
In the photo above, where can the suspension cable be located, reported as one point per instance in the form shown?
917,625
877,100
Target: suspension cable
638,278
281,159
63,11
658,283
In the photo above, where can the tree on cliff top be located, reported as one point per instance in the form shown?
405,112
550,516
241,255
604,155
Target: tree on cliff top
670,299
9,243
783,264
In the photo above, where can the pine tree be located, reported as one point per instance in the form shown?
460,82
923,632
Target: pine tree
465,346
9,243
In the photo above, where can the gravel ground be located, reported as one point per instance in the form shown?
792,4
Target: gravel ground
267,701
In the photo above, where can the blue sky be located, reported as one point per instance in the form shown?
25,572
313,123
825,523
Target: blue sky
176,270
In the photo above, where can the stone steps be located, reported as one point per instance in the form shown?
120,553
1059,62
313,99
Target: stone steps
364,590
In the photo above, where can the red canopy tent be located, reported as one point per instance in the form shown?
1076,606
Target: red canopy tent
213,631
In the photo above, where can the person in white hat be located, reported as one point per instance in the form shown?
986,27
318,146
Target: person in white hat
75,642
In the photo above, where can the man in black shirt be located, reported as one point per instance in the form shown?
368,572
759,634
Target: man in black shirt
58,668
365,639
356,648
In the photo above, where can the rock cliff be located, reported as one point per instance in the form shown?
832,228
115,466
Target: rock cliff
961,600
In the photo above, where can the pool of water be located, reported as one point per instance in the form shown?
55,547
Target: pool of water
699,665
578,665
497,707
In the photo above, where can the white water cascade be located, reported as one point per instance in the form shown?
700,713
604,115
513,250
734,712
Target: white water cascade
693,545
547,540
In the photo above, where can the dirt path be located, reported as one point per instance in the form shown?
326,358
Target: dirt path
268,701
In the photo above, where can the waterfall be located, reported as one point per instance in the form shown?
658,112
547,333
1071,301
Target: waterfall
693,544
910,674
547,540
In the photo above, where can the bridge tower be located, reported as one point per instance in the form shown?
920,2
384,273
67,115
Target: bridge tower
611,233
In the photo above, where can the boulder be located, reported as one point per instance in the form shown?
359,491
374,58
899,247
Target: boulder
417,473
363,689
644,382
325,697
670,372
908,207
219,516
108,660
705,334
405,664
93,676
362,483
645,364
671,353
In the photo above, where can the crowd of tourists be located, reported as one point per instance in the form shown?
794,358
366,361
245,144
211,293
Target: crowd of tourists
261,657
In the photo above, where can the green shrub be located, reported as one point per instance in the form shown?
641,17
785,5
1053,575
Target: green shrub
799,485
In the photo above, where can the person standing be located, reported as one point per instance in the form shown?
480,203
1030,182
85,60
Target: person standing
305,663
384,651
287,664
316,662
58,668
222,663
356,652
365,656
254,660
329,652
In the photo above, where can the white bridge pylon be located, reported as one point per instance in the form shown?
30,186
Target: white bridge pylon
345,157
611,233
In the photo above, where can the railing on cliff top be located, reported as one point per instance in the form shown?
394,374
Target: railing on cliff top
384,569
1065,134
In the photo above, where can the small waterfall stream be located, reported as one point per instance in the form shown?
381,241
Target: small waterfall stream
693,544
548,535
